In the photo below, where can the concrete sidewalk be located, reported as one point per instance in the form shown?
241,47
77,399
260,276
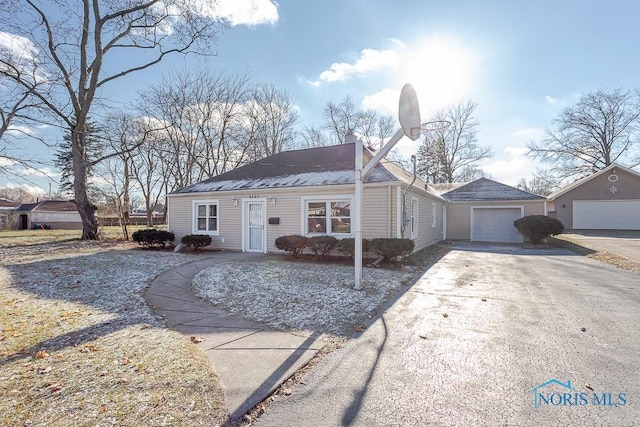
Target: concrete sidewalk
251,359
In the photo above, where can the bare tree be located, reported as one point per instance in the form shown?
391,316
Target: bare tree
204,118
79,48
451,153
600,129
344,117
271,120
543,183
312,137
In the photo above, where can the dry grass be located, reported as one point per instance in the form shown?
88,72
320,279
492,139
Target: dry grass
595,253
79,346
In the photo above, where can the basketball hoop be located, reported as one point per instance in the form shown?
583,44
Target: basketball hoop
434,126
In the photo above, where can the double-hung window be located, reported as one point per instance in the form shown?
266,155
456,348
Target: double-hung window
206,217
327,216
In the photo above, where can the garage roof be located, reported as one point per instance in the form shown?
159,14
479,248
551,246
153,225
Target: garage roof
49,206
485,189
588,178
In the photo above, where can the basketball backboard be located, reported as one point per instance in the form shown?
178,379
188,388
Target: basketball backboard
409,112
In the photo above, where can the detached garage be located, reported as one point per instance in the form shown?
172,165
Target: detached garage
606,200
484,210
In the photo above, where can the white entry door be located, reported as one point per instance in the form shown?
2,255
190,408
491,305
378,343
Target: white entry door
254,214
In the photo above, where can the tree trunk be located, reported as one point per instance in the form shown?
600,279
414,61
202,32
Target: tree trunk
85,208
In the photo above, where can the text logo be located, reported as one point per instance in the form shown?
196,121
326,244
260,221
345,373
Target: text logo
557,393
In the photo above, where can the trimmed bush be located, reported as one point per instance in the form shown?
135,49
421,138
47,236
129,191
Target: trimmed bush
391,248
322,245
196,241
294,244
538,227
348,246
151,237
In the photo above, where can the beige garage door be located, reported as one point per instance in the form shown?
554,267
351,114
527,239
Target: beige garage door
495,225
606,214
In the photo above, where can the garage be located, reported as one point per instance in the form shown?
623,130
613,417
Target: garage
484,210
495,224
606,214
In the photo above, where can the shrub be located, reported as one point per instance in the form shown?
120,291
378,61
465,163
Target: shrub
538,227
151,237
294,244
196,241
391,248
348,246
322,245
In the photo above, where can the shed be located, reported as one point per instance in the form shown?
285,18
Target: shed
55,214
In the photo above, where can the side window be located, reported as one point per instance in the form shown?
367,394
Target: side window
434,215
414,218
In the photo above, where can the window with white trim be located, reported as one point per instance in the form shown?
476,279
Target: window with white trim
206,217
414,217
434,215
331,216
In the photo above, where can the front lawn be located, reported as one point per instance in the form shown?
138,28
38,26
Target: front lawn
79,345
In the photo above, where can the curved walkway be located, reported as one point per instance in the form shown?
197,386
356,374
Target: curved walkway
251,359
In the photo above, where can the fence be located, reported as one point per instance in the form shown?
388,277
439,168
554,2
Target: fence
133,220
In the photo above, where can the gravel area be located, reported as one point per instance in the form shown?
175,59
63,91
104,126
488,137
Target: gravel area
299,296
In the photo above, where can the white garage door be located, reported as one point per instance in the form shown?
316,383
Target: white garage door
495,225
606,214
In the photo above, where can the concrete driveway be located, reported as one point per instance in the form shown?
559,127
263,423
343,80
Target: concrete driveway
490,335
624,243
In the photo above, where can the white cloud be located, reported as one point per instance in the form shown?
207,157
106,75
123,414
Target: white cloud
4,162
248,12
18,130
385,102
17,45
511,166
369,60
44,172
32,189
516,151
550,100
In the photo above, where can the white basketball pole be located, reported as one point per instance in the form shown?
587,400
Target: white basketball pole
409,117
357,226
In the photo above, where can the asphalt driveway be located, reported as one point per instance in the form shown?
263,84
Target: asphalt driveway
472,340
624,243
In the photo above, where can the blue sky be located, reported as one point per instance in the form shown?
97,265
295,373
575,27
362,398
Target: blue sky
522,62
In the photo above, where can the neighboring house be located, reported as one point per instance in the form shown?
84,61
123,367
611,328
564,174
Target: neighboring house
55,214
606,200
7,207
484,210
309,192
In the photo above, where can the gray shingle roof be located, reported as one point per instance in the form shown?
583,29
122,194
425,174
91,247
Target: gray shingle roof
5,203
333,165
49,206
488,190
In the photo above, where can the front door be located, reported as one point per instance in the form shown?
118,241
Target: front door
254,226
